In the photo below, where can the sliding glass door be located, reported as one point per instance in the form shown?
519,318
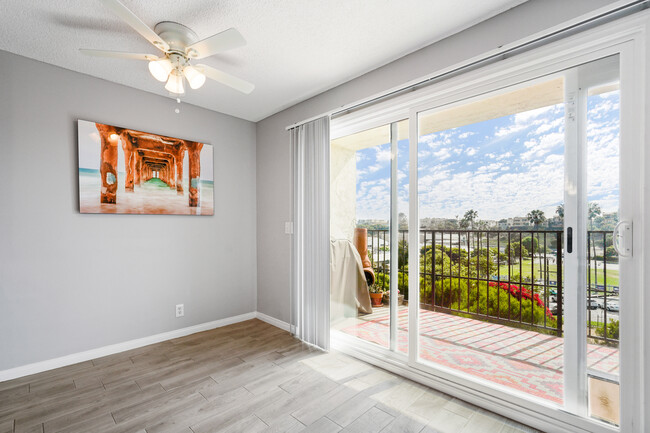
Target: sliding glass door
517,259
492,213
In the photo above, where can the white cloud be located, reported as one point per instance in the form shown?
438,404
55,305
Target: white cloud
511,129
544,145
442,154
547,126
525,120
382,154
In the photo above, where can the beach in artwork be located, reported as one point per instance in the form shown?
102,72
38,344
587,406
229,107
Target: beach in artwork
143,173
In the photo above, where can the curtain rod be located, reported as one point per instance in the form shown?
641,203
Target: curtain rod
599,19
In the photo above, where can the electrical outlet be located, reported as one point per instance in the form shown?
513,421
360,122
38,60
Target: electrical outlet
180,310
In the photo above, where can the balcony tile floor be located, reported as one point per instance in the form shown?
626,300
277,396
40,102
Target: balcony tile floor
523,360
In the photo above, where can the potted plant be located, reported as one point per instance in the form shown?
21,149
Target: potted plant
376,295
400,297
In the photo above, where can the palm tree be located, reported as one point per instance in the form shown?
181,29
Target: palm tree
592,212
536,217
468,220
470,216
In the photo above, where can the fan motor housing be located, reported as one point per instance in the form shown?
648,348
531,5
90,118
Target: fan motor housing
176,35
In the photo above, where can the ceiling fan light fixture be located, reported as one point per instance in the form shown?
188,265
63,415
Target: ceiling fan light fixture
179,45
194,77
175,83
160,69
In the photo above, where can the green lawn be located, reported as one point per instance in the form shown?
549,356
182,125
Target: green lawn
527,268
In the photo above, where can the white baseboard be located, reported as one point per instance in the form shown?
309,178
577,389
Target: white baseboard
273,321
38,367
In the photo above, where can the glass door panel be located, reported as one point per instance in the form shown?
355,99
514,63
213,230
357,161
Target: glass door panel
490,189
369,183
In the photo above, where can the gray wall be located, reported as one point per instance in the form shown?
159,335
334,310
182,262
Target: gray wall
71,282
273,169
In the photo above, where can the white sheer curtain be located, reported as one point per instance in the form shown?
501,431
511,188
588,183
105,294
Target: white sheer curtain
310,276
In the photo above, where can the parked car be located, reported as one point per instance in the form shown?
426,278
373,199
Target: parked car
612,306
553,307
600,303
592,304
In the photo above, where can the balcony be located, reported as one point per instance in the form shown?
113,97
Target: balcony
491,304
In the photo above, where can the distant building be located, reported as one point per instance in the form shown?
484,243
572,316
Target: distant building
519,223
491,224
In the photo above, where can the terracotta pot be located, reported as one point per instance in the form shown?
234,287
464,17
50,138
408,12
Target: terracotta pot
361,244
376,298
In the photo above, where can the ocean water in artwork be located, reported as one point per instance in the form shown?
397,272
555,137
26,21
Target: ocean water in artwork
152,195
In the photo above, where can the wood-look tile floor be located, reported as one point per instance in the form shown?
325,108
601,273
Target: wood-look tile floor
246,377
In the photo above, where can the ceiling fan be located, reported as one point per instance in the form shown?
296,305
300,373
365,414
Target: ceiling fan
179,45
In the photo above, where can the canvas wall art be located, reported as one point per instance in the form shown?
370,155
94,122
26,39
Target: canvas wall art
133,172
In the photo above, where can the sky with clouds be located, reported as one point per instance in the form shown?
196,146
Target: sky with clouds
502,167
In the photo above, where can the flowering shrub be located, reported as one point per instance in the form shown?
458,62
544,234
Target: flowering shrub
508,302
521,292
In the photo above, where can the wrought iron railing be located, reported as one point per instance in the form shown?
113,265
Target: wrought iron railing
602,287
474,272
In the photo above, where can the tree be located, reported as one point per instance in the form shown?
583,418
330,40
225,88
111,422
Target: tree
469,218
536,217
610,253
593,212
516,251
560,210
531,245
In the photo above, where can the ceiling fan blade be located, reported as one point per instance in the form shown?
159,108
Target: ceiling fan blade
118,54
131,19
227,79
226,40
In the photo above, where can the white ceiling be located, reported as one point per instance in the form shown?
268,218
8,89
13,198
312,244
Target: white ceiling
296,48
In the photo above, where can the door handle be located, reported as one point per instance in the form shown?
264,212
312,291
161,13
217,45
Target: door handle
623,238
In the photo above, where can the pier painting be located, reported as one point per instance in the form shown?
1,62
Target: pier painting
133,172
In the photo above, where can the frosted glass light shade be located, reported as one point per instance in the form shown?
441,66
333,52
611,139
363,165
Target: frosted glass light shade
160,69
194,77
175,83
